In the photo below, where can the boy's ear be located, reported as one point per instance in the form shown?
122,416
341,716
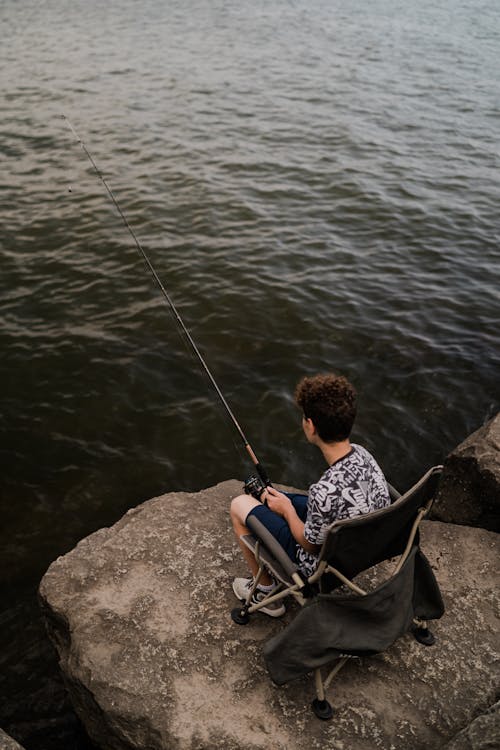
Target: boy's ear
311,427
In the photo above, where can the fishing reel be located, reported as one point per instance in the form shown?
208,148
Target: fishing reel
254,486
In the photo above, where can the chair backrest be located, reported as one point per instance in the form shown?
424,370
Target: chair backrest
356,544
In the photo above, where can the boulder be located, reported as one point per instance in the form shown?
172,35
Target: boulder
482,734
139,614
7,743
469,491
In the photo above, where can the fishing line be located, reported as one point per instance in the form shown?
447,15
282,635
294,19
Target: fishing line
261,470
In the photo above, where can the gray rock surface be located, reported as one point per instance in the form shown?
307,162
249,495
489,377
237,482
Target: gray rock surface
469,491
139,615
482,734
7,743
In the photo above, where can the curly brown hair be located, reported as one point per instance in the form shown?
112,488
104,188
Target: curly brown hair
330,402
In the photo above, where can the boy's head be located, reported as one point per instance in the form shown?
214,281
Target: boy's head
330,402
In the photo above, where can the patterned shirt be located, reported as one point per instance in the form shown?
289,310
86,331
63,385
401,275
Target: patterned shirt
349,487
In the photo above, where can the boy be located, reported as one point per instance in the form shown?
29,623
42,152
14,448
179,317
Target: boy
352,484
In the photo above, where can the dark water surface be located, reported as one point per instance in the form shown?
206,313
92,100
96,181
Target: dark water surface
317,185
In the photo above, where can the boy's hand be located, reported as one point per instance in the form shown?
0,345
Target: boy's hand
276,501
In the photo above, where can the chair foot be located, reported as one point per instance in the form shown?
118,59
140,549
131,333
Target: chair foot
240,615
423,636
322,709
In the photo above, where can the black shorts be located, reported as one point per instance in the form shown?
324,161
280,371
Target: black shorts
278,526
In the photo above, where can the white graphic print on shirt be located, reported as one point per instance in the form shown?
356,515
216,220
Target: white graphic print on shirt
348,488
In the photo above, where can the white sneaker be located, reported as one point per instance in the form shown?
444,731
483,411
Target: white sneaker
242,587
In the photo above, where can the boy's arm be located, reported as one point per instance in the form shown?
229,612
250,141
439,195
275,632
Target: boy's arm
297,529
282,505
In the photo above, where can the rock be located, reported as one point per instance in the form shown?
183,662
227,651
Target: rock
7,743
482,734
469,491
139,615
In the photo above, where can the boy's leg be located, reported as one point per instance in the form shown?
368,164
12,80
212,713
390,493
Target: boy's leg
240,508
243,505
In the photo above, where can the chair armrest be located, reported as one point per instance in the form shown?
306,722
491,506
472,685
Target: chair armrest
274,548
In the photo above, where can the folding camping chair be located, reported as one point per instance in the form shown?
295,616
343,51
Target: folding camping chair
332,625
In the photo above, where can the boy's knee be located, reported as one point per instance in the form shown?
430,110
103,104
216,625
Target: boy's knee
241,507
236,504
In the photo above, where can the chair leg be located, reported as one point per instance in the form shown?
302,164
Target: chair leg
422,634
320,705
240,615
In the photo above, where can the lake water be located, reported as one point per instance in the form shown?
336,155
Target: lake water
317,184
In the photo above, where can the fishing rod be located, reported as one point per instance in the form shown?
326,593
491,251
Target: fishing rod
251,485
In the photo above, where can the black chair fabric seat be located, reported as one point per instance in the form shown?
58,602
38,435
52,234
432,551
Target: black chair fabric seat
334,625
